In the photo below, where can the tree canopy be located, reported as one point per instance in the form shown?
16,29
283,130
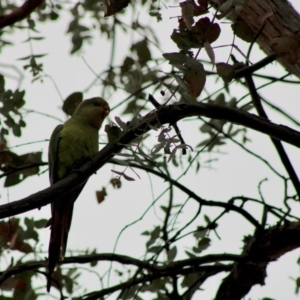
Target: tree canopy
197,167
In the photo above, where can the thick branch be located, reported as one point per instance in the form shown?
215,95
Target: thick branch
260,249
279,19
81,259
20,13
164,115
151,267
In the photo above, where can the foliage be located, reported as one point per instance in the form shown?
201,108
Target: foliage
169,268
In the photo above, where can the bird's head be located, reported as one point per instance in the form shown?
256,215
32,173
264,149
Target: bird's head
93,111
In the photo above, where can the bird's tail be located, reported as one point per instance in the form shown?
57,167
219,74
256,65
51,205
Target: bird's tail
61,222
54,246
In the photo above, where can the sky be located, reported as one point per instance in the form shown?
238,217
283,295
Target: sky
98,226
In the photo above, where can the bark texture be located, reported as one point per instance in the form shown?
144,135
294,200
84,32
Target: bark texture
279,19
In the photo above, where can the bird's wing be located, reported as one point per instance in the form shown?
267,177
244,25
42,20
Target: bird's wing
53,154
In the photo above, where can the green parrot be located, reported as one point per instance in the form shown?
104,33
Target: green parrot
71,145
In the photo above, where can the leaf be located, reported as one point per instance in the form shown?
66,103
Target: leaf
100,195
40,223
220,99
172,253
142,50
187,12
30,233
149,243
204,30
122,124
226,8
192,63
77,42
200,233
155,233
143,153
121,162
32,56
139,160
181,82
16,130
145,233
184,40
185,146
17,244
72,102
127,65
164,208
172,155
202,245
18,98
175,58
190,279
225,5
12,179
225,71
156,14
161,136
93,263
158,147
115,6
123,154
196,81
210,52
128,178
36,38
190,254
297,284
243,31
206,128
113,133
116,183
2,83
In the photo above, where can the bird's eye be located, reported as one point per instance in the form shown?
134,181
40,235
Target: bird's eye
97,103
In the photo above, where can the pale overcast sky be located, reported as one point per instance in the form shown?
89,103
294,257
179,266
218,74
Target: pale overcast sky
97,226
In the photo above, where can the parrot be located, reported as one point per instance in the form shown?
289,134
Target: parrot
71,145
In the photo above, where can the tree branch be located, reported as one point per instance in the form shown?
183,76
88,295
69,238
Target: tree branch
278,145
20,13
164,115
151,267
227,205
249,267
259,250
146,278
13,170
82,259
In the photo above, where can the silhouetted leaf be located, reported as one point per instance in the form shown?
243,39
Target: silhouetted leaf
72,102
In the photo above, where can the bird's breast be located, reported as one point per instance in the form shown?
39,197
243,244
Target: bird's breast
77,145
